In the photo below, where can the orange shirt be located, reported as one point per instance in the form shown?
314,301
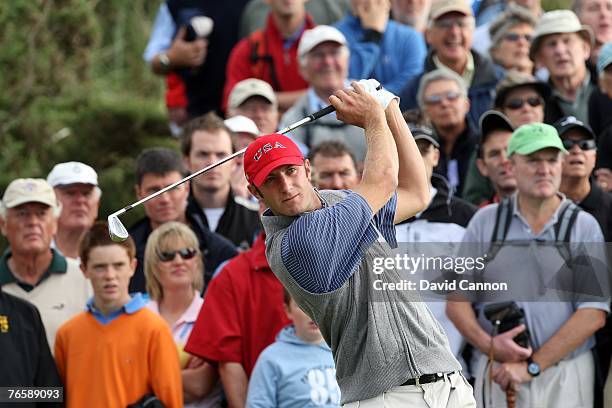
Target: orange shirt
115,364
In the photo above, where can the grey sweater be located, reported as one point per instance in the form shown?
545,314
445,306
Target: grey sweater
379,339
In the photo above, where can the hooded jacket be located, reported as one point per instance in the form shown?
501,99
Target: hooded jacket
444,220
291,373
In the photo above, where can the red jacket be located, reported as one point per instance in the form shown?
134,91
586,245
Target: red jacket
242,313
261,55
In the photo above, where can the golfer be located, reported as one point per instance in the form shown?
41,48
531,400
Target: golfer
388,348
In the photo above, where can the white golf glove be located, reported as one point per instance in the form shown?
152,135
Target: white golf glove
382,96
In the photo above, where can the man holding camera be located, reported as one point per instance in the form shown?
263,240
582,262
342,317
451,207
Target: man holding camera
560,332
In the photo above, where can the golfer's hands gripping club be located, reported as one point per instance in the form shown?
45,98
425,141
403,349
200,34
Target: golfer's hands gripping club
357,107
382,96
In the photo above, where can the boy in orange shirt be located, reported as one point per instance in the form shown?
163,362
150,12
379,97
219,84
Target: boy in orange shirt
117,351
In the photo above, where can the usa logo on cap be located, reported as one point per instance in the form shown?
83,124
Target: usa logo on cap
266,148
268,152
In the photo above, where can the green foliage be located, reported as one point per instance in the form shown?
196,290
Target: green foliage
75,87
549,5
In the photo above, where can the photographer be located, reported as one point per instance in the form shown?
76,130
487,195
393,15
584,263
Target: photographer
560,332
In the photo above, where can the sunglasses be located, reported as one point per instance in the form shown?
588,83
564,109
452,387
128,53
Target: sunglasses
514,37
517,103
185,254
437,98
582,144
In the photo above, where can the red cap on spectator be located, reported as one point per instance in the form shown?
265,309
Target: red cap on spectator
267,153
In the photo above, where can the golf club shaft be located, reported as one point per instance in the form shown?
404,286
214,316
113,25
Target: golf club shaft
325,111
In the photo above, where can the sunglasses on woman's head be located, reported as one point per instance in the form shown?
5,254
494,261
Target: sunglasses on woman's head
184,253
582,144
517,103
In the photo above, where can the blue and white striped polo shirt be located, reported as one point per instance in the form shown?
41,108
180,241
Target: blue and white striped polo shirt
342,233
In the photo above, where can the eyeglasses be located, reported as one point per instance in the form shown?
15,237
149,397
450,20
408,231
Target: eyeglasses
582,144
448,23
437,98
513,37
185,254
517,103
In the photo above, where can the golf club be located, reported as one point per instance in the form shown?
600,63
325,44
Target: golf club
117,230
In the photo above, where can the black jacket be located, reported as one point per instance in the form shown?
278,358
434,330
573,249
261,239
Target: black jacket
552,109
447,208
239,223
443,210
215,249
462,151
598,203
26,357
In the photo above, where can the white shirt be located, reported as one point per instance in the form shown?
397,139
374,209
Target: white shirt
213,215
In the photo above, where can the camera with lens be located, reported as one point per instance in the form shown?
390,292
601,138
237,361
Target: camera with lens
508,315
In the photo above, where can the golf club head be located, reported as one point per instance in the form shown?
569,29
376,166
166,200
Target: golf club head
117,231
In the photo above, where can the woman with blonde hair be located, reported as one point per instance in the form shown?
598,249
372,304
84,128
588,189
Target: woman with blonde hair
174,272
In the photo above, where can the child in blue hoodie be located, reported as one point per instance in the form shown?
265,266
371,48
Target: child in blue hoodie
297,370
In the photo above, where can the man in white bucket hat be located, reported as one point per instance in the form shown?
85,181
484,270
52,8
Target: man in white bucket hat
562,45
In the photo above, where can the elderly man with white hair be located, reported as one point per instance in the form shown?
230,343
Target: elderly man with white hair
323,57
443,97
30,269
563,45
76,187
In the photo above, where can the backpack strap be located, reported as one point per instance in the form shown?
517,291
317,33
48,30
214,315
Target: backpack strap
503,216
566,221
260,58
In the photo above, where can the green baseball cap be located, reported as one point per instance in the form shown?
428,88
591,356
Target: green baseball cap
533,137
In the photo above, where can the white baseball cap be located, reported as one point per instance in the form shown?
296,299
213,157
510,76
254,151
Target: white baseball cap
320,34
29,190
249,87
72,173
242,124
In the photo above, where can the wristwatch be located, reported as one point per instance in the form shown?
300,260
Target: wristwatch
164,61
533,368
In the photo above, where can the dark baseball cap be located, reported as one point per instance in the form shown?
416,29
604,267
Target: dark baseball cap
568,123
493,120
420,132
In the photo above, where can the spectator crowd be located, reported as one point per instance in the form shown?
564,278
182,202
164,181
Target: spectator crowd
510,107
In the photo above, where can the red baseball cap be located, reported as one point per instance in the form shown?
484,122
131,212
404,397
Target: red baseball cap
268,152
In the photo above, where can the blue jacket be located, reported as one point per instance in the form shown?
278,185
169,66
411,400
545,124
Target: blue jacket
396,58
290,373
481,92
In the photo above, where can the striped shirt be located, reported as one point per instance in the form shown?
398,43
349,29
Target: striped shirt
322,248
